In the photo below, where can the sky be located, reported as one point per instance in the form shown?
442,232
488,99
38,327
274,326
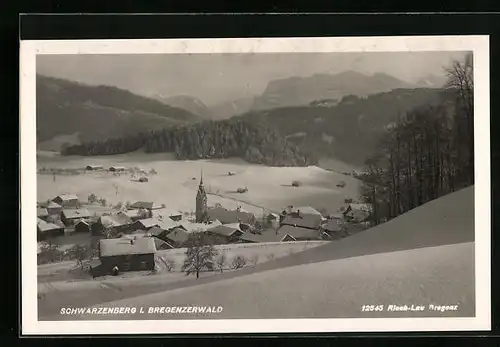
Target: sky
216,78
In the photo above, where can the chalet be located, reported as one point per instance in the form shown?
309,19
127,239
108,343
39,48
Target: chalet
48,230
115,223
83,226
291,233
67,200
299,219
174,215
54,208
227,216
146,205
42,213
158,232
93,167
116,168
177,238
226,233
127,254
71,216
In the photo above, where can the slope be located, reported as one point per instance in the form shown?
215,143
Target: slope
98,112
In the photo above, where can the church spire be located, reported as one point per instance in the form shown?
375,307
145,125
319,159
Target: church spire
201,175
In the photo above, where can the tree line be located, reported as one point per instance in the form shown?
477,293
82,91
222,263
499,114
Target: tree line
255,143
427,153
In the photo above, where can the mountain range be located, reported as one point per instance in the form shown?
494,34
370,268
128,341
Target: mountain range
98,112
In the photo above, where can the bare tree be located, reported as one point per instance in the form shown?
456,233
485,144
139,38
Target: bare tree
199,255
221,262
80,253
238,262
254,260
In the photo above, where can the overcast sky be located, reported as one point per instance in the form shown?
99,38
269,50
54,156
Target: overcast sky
215,78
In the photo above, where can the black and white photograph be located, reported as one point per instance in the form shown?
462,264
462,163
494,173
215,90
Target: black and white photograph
255,185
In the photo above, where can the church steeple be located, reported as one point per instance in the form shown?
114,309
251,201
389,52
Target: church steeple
201,202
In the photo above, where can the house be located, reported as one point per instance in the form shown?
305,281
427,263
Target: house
116,168
42,213
273,219
67,200
299,219
147,205
71,216
357,213
128,254
257,237
198,227
174,215
161,244
302,209
226,233
177,237
48,230
227,216
115,223
158,232
54,208
333,229
291,233
134,215
146,224
93,167
83,226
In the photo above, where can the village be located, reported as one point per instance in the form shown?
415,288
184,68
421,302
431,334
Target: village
128,236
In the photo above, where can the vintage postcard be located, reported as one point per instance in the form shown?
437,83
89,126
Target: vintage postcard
260,185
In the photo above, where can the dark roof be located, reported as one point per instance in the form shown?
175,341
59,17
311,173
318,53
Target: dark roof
298,233
225,230
76,213
155,231
124,246
160,244
227,216
178,235
310,221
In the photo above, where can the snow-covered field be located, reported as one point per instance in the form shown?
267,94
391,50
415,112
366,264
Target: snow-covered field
269,188
441,276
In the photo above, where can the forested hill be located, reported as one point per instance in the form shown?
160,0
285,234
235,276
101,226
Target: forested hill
98,112
251,141
349,130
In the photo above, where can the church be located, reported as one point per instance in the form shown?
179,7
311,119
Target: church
201,203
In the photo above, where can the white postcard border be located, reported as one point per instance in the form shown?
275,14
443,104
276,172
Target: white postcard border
478,44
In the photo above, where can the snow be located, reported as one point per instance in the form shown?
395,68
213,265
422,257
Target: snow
175,187
441,275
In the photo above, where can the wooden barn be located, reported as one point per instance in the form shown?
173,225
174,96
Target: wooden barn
127,254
